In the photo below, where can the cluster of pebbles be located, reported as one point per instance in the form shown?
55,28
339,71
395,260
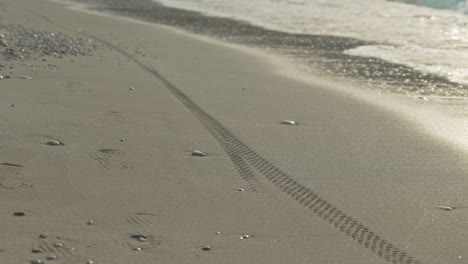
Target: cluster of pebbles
19,42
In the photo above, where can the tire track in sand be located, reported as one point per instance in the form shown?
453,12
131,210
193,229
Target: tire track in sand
246,160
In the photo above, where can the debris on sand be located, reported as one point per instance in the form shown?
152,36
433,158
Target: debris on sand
198,153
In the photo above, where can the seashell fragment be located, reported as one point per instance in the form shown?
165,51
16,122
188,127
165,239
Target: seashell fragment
218,233
137,249
89,262
241,189
198,153
132,88
54,143
288,122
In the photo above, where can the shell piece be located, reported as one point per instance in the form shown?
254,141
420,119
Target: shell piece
245,237
132,88
198,153
289,122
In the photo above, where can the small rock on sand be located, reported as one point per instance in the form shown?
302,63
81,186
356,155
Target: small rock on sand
37,261
51,257
19,213
244,237
43,235
206,248
198,153
289,122
90,222
54,143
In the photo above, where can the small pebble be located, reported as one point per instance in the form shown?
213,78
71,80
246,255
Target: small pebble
51,257
12,105
89,262
54,143
132,88
137,249
37,261
241,189
198,153
43,235
36,250
245,237
122,140
90,222
19,213
206,248
218,233
288,122
141,238
58,245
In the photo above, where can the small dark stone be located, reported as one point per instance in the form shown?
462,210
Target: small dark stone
206,248
36,250
19,213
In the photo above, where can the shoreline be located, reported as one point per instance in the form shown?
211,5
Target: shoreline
126,161
445,122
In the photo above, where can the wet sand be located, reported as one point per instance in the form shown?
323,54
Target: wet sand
350,183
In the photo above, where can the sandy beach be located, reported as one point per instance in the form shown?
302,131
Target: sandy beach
352,182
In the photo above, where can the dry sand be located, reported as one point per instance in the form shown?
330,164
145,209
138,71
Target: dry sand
379,178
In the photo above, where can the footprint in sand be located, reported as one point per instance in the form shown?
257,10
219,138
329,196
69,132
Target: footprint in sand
110,159
11,177
141,236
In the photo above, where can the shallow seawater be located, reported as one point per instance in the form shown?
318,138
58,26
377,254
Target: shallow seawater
426,39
